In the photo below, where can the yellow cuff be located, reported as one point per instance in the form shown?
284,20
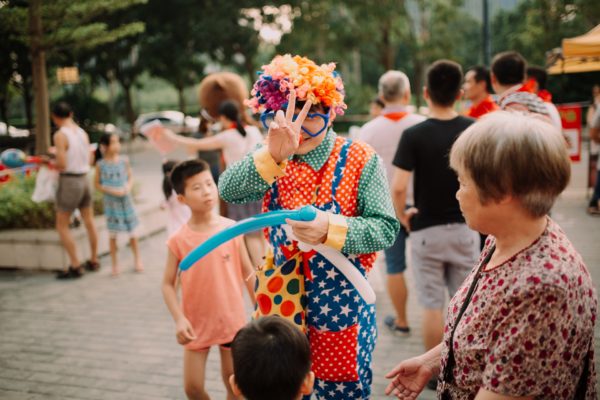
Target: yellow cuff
337,232
267,168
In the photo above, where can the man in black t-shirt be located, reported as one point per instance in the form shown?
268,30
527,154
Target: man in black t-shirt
443,248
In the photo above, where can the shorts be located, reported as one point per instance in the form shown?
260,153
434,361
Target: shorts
395,256
73,192
442,257
224,346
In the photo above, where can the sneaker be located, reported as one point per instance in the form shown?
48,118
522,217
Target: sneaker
390,322
91,265
71,273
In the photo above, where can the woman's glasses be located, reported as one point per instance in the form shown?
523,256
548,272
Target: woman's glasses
313,125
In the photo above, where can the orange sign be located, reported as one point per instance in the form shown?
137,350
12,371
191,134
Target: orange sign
570,116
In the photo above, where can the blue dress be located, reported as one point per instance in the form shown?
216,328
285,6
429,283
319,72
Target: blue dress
119,211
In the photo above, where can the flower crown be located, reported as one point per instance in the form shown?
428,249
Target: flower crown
318,83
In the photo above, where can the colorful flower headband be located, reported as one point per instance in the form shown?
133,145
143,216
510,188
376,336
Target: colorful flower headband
318,83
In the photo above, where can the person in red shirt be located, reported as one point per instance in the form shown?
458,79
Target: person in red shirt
477,88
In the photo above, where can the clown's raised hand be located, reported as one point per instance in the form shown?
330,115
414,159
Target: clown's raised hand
283,137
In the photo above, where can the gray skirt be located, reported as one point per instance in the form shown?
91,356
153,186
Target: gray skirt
238,212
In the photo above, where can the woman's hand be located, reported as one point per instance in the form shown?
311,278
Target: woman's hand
311,232
184,331
409,378
406,216
283,137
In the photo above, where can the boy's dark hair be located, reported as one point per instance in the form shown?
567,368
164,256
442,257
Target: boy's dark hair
482,74
271,358
444,81
167,167
539,74
61,109
185,170
509,68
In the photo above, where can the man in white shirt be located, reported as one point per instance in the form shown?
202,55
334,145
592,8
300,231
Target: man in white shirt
383,134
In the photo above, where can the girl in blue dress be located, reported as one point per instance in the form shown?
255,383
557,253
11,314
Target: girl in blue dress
114,179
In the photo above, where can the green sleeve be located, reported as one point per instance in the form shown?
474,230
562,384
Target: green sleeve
241,183
377,227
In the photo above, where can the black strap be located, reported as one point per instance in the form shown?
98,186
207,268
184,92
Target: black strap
448,376
583,379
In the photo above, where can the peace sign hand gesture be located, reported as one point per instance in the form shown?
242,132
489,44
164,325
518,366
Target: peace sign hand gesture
283,137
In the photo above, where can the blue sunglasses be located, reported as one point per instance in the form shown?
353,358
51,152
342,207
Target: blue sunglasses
268,116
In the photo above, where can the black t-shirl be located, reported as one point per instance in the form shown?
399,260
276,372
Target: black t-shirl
424,149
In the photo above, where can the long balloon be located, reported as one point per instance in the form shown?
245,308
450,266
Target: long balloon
307,213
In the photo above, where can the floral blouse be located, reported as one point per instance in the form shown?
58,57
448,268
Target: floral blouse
529,326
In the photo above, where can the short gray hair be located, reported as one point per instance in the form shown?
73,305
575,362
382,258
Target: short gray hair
393,85
509,153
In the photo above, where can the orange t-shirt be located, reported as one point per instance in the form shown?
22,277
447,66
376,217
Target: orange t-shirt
486,106
212,289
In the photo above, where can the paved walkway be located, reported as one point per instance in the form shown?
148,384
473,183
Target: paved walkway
112,338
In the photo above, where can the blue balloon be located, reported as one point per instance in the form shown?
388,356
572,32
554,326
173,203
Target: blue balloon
307,213
13,158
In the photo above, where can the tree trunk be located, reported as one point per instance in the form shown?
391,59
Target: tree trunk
418,80
387,51
181,98
40,83
27,102
4,107
129,113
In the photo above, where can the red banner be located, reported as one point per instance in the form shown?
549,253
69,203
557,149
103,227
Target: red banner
570,116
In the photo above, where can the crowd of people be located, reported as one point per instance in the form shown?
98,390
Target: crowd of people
467,193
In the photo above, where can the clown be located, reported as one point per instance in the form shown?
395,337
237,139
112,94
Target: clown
305,163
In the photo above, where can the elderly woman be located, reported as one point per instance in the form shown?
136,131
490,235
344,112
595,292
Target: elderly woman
522,324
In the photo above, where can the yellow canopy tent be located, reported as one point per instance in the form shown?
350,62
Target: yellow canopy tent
578,54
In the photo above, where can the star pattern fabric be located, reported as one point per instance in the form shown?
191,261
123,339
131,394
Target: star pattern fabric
341,325
346,178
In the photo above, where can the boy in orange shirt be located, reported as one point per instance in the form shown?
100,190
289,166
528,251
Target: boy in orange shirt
212,307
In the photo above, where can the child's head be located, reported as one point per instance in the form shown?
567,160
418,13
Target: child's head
444,83
109,143
508,68
375,107
320,84
229,112
61,112
194,185
167,167
271,361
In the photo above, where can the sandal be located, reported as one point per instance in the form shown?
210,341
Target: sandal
91,265
70,273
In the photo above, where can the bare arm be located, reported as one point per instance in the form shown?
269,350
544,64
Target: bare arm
193,144
104,189
399,189
62,144
484,394
248,271
184,330
129,184
595,134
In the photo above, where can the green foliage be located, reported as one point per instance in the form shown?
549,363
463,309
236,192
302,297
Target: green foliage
537,26
18,211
